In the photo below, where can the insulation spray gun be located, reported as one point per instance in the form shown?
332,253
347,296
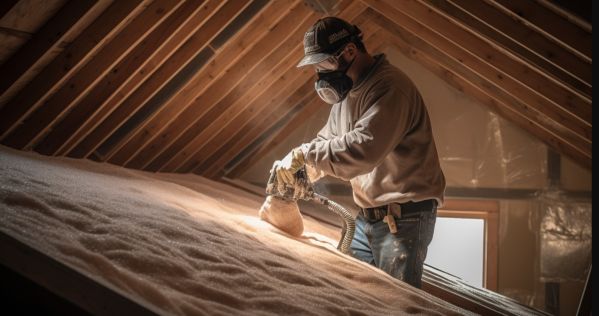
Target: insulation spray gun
303,189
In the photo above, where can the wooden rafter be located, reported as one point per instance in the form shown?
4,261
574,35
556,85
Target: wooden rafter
5,6
135,66
176,106
43,42
520,40
567,129
66,64
234,107
158,80
302,105
40,121
475,86
576,36
205,108
198,85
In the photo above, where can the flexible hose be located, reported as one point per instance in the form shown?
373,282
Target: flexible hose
349,224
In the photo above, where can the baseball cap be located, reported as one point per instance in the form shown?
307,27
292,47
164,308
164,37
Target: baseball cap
324,38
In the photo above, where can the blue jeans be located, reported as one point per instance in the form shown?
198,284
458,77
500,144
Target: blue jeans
401,254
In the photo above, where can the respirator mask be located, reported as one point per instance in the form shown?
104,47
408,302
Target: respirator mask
333,84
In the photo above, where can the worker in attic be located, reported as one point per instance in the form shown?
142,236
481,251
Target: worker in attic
378,136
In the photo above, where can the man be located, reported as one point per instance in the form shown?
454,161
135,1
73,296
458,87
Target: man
378,137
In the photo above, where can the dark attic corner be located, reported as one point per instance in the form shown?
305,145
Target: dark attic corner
196,157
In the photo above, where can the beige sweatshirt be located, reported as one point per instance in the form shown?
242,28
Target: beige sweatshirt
379,138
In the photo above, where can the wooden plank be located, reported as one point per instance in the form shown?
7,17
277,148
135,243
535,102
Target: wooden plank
67,63
491,251
245,142
6,5
521,48
29,15
537,90
243,108
143,58
197,113
503,21
157,81
259,152
485,92
41,120
579,39
272,119
50,35
128,147
198,19
50,55
10,45
531,105
92,294
211,143
233,105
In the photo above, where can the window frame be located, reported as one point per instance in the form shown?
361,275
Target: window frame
488,211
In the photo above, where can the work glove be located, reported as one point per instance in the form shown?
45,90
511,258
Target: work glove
285,169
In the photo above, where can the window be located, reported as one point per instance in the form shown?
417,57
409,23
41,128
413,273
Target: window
465,241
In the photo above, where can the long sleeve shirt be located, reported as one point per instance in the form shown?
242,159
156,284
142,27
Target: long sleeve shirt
379,138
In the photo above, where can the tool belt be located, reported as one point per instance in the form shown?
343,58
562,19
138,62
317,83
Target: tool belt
399,210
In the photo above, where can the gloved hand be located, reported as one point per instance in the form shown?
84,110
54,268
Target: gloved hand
286,168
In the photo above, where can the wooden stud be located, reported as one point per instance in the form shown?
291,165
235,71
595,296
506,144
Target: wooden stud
537,90
49,36
203,108
143,58
233,106
503,21
280,112
6,5
564,30
245,109
520,47
566,126
157,81
176,106
67,63
42,120
259,152
485,92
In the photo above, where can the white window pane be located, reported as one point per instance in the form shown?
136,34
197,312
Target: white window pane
458,248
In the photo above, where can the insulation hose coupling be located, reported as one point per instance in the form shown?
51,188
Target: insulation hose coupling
349,223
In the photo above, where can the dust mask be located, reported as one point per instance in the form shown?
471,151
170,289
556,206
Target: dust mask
333,86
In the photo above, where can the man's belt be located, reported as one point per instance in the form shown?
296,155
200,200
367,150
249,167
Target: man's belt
398,209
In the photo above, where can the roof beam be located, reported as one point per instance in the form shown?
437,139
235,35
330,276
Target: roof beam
257,152
540,42
49,37
537,90
521,40
205,108
480,88
177,106
534,106
234,107
158,81
41,121
286,107
565,32
6,5
131,70
47,82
